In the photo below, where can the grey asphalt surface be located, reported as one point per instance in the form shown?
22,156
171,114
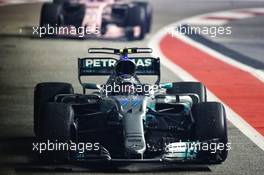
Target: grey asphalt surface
25,61
247,37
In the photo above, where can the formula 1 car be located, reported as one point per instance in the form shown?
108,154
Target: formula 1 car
97,18
127,120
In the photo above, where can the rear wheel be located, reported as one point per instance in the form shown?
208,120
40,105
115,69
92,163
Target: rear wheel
210,128
189,87
61,1
136,17
44,93
74,14
51,14
148,11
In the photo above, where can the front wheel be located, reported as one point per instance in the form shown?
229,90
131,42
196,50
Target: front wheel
57,127
44,93
210,130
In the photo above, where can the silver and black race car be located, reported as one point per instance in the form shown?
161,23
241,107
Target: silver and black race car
97,18
126,120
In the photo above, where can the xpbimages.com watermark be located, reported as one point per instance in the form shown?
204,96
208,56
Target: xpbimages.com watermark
212,31
130,88
212,147
80,147
80,32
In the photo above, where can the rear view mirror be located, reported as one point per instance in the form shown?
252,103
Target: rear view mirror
90,86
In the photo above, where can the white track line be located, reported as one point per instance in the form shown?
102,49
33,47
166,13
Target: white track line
232,14
13,2
235,14
232,116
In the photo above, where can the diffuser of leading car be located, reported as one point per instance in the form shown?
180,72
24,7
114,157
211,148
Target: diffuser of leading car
97,18
126,119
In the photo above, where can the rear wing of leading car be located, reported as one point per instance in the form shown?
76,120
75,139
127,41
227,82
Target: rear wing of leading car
96,66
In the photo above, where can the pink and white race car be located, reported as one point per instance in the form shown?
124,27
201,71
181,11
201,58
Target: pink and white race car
100,18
